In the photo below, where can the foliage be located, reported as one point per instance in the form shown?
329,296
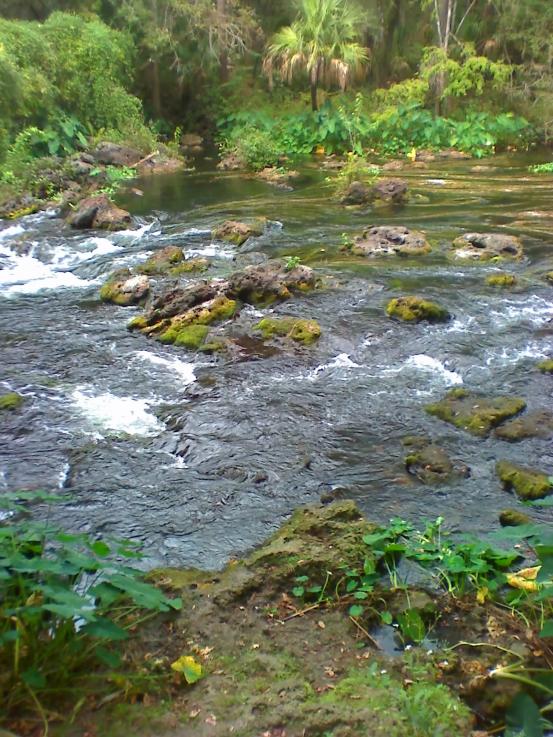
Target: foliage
546,168
66,600
322,43
256,147
114,177
355,169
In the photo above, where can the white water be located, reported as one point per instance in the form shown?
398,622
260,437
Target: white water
181,370
109,413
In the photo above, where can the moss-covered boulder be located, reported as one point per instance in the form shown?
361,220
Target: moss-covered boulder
295,328
527,483
124,289
264,284
513,518
191,327
501,280
475,413
538,424
10,401
546,367
416,309
237,232
430,463
389,240
486,247
171,261
549,277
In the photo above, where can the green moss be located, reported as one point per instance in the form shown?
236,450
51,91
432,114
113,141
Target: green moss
189,266
238,233
414,309
11,401
527,483
546,367
221,308
501,280
513,518
138,323
474,413
171,261
549,277
187,336
113,290
301,331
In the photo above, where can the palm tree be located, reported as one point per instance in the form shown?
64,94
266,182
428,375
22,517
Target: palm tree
322,42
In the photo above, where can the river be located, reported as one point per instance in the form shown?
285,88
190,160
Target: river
200,457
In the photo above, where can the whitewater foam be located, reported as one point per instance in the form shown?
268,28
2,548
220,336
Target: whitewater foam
181,369
109,413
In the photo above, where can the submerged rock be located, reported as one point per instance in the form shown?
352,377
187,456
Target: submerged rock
474,413
546,367
486,246
390,240
299,330
430,463
513,518
124,289
10,401
357,193
537,424
237,232
527,483
171,261
390,190
501,280
99,212
415,309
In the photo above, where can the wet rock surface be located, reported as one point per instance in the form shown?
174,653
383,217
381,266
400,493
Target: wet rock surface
99,212
527,483
487,246
430,463
475,413
125,289
238,233
538,424
387,240
416,309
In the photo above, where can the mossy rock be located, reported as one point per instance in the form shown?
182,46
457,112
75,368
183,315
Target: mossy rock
532,425
177,330
171,261
415,309
191,336
549,277
299,330
124,289
513,518
430,463
238,233
487,247
11,401
501,280
527,483
546,367
474,413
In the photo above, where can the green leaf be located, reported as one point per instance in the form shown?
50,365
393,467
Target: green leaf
386,617
356,610
360,595
109,657
547,630
298,591
412,626
523,717
189,668
105,629
34,679
100,548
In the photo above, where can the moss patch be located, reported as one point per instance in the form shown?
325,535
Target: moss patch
546,367
532,425
178,329
238,233
429,462
501,280
301,331
527,483
171,261
513,518
474,413
416,309
11,401
124,289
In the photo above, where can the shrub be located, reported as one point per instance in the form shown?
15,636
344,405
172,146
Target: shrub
258,148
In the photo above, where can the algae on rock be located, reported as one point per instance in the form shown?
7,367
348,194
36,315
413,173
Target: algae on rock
171,261
415,309
528,483
501,280
11,401
473,412
546,367
513,518
124,289
297,329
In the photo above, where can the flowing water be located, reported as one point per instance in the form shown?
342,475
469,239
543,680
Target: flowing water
200,458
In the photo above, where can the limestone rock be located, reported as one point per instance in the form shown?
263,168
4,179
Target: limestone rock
486,246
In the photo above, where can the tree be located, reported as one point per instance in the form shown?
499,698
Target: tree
321,42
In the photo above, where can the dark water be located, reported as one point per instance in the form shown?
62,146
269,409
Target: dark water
200,457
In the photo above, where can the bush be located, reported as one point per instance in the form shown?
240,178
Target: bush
258,148
66,600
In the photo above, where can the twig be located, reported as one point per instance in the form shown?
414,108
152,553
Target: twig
302,612
364,631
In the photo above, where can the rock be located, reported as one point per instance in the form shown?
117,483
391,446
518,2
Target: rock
394,165
99,212
124,289
430,463
231,162
546,367
415,309
171,261
390,190
482,168
332,163
501,280
277,176
474,413
533,425
215,310
549,277
390,240
299,330
115,154
192,141
527,483
160,164
513,518
269,282
487,246
237,232
357,193
446,153
10,401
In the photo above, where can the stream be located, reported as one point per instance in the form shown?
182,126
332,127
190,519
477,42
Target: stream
198,457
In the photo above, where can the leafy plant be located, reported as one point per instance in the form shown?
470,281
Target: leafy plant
542,168
66,601
355,169
291,262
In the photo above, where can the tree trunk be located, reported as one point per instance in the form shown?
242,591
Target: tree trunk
156,92
223,55
314,100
